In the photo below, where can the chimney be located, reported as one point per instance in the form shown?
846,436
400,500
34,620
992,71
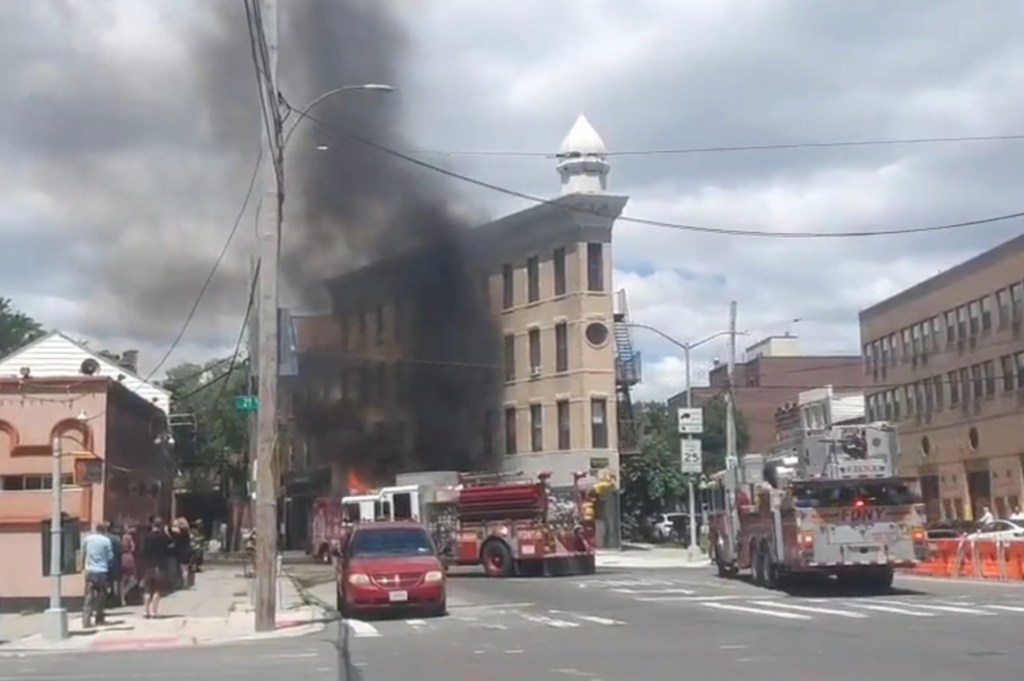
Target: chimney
130,360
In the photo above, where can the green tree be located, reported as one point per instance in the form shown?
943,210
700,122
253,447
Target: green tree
17,329
652,480
713,439
209,433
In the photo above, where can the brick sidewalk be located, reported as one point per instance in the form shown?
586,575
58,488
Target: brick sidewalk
217,610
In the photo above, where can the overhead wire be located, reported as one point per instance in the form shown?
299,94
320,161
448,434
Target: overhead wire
740,148
658,223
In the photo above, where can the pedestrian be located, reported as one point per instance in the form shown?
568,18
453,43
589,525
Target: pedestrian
986,516
182,550
155,555
128,567
98,554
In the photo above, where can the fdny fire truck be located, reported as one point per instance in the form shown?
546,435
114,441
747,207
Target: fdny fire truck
511,524
831,507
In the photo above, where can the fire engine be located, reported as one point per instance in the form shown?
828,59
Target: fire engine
509,523
833,506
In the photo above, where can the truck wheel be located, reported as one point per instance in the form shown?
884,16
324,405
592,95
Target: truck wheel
497,559
757,563
880,581
769,568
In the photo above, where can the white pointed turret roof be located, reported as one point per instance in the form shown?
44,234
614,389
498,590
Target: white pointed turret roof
583,139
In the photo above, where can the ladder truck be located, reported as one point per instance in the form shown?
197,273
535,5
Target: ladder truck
832,506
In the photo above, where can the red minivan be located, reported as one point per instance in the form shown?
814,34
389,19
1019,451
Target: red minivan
389,567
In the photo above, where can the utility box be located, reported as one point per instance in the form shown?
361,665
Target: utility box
71,542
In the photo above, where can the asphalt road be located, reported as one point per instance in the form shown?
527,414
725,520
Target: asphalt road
639,625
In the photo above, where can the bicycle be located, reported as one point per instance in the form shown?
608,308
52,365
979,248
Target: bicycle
94,600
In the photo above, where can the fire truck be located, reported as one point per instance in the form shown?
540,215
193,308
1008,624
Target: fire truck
831,507
510,524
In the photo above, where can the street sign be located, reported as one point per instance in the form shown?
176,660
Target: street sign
691,457
691,421
247,403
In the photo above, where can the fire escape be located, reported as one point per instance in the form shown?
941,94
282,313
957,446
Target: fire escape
627,375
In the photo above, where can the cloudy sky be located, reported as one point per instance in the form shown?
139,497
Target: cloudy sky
132,135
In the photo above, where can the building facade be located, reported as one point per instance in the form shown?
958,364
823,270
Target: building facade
542,371
773,375
945,360
114,465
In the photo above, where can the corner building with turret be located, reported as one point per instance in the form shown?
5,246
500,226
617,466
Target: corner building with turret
566,366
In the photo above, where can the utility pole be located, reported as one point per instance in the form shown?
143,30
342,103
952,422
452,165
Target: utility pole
270,251
57,616
731,458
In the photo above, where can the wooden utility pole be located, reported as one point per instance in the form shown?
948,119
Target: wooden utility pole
270,250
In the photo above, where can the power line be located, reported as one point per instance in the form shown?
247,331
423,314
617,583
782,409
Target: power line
740,148
661,223
213,270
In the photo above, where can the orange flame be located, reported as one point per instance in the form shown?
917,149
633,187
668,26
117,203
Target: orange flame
355,484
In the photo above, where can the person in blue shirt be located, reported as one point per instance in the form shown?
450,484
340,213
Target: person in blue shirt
97,553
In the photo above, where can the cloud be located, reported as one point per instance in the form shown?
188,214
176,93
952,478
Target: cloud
135,128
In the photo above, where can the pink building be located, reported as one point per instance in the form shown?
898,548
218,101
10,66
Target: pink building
115,468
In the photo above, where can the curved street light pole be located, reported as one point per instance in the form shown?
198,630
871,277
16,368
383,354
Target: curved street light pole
304,111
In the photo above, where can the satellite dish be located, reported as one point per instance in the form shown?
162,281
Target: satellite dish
89,367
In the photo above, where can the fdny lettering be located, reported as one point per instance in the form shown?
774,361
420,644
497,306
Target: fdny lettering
862,515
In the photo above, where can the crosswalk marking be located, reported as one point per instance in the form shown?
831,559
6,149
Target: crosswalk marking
756,611
361,629
1006,608
812,608
655,592
550,621
891,609
940,608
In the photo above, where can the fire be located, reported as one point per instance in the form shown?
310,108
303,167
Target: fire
355,484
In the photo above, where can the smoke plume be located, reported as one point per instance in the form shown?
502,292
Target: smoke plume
358,208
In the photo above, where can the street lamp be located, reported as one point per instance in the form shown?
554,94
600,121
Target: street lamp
686,348
304,111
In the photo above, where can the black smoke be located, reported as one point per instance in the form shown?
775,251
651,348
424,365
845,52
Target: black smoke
355,210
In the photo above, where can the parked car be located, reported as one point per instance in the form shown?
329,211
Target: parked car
1000,529
388,567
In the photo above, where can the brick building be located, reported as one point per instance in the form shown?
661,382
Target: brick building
945,360
772,375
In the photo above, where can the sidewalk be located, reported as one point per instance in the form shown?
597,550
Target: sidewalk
217,610
647,556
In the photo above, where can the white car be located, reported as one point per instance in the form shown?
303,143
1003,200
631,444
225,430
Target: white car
1000,529
669,525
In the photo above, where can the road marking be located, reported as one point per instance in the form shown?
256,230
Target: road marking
549,621
416,623
362,629
697,599
652,592
757,611
889,608
287,656
514,651
809,608
940,608
488,606
1007,608
606,621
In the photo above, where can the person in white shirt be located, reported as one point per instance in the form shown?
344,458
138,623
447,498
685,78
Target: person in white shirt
986,516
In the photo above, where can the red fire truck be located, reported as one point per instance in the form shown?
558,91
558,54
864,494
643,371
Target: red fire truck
510,524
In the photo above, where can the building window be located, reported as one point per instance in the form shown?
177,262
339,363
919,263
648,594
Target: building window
986,314
989,371
508,297
961,323
976,381
510,430
936,331
510,358
906,344
33,483
1006,366
926,336
599,423
595,267
533,279
950,327
564,433
535,358
1003,307
561,347
560,278
537,427
1016,301
974,314
939,393
1019,358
